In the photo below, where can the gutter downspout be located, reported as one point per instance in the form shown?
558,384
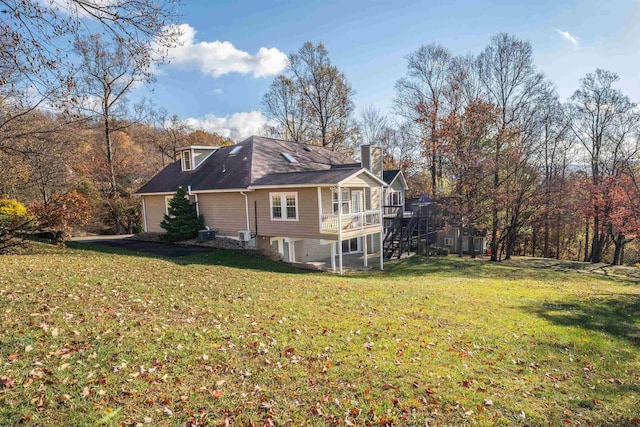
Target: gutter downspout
246,208
196,199
144,215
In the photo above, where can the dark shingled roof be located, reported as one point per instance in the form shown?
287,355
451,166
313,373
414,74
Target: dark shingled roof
259,162
389,176
331,176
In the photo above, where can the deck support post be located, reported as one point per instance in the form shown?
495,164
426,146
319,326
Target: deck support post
340,230
365,251
333,256
381,252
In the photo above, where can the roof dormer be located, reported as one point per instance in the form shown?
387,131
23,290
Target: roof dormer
192,156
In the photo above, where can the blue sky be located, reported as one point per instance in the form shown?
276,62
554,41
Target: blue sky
233,49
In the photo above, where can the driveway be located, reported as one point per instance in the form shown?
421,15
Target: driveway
122,242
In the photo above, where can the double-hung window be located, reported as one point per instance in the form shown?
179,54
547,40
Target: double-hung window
346,201
284,206
186,160
394,198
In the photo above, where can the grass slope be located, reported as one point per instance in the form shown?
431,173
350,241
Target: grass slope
95,336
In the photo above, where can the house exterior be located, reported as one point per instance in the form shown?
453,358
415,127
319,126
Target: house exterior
306,202
394,197
450,239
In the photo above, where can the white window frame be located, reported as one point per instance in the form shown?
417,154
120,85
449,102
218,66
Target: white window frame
391,195
167,198
186,154
283,206
346,201
166,203
448,241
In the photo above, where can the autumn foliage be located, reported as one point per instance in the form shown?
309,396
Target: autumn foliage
16,223
62,214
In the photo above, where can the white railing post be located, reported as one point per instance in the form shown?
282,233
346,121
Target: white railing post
340,229
339,223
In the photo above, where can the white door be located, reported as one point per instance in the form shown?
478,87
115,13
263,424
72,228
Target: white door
357,207
356,201
285,251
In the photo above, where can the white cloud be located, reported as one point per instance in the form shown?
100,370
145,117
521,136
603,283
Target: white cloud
218,58
237,126
569,37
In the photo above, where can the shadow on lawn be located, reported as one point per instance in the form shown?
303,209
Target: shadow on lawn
463,267
616,272
193,255
512,270
614,314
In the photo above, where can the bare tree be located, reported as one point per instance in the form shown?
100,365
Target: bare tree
166,133
37,64
109,73
419,98
313,101
555,146
510,82
374,125
285,104
35,34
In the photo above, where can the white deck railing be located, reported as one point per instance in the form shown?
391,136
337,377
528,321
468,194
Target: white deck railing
350,222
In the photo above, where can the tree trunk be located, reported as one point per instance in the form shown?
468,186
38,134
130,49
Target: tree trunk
433,169
460,238
502,245
472,247
511,244
113,194
494,210
545,249
619,243
494,234
596,247
534,235
586,241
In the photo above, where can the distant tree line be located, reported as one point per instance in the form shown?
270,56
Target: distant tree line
505,156
485,135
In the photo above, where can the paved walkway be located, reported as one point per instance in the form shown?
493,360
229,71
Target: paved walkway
123,242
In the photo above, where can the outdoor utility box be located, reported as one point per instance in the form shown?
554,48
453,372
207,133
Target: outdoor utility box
204,235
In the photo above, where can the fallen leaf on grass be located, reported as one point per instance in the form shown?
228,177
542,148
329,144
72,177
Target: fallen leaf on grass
39,401
7,382
317,410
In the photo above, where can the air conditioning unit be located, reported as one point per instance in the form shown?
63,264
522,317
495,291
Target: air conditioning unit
204,235
244,235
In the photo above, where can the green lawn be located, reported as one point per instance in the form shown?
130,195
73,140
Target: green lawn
92,336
